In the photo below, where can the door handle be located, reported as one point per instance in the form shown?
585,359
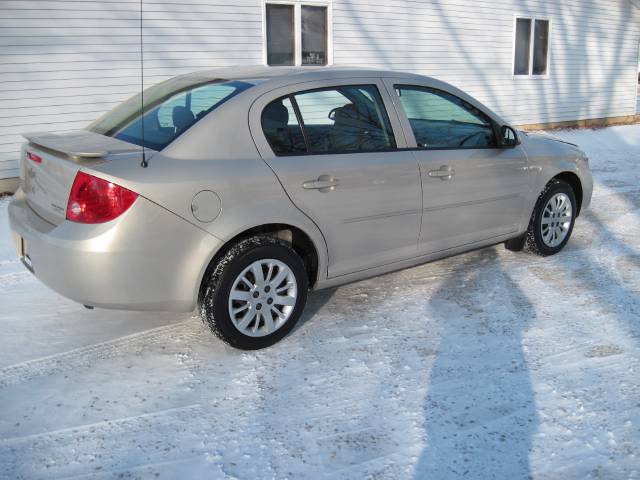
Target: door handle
445,172
324,183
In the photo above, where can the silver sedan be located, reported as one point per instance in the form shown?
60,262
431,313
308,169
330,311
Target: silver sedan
236,191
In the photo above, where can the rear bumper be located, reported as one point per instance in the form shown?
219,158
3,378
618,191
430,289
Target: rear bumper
147,259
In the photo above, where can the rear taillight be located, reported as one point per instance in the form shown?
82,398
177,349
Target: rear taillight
34,158
95,200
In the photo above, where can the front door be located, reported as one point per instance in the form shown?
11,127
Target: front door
473,190
334,150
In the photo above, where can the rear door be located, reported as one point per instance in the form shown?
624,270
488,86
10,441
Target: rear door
473,190
333,145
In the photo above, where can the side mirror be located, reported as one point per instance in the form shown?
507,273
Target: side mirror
509,136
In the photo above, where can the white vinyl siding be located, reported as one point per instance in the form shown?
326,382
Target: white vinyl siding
65,62
593,55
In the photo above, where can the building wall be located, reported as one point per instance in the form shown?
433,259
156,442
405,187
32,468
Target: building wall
593,51
64,62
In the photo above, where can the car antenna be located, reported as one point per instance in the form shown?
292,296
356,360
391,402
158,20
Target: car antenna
144,163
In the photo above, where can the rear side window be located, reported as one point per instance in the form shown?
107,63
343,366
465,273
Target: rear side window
344,119
441,120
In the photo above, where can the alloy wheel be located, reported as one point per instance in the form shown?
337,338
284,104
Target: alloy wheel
556,220
262,297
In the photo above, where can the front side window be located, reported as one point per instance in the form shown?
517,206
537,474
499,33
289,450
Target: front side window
531,47
441,120
170,109
345,119
296,34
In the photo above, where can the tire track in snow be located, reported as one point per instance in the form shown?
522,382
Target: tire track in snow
84,357
187,433
68,452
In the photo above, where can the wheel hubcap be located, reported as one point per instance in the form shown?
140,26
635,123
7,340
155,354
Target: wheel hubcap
263,297
556,220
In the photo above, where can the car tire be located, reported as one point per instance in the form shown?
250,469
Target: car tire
552,220
233,292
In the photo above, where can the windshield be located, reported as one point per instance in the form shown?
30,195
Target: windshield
170,108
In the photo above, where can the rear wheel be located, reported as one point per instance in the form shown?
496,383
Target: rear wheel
255,294
552,220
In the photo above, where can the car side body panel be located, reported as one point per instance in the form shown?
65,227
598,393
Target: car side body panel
155,255
239,155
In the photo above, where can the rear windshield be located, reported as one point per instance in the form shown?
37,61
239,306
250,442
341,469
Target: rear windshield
170,108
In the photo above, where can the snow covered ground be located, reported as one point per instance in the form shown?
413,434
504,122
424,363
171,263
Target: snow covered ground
487,365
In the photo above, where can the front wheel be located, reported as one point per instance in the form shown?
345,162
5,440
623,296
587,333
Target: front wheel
255,294
552,220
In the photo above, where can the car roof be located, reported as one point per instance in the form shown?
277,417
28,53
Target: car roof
281,76
270,78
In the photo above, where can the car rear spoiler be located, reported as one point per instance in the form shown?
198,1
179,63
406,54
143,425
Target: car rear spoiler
83,145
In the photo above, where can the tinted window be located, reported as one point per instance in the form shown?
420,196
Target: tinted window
280,35
523,45
441,120
314,35
540,47
345,119
281,128
170,108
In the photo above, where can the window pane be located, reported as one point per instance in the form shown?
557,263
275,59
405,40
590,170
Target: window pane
314,35
280,35
345,119
540,47
523,45
441,120
281,127
199,101
170,108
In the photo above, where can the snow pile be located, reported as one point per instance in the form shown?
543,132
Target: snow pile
487,365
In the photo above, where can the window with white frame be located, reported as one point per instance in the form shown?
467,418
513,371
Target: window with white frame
531,52
297,33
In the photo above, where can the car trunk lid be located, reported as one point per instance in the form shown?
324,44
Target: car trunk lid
49,164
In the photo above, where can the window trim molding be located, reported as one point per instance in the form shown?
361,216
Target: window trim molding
530,75
297,30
